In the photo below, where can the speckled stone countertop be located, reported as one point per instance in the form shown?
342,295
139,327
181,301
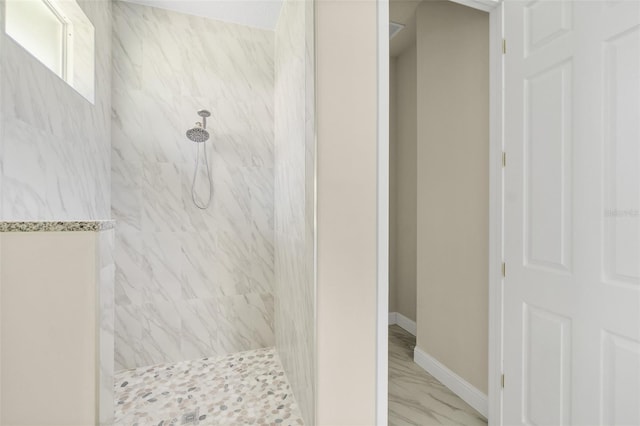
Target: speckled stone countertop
61,226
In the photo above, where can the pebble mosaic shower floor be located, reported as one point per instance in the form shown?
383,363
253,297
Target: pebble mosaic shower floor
246,388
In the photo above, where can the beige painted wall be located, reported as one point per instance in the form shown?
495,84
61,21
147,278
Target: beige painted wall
49,360
393,173
346,105
453,190
403,187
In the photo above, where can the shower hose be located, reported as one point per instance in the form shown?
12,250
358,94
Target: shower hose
195,175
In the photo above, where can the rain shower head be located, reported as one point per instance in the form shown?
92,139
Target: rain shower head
198,134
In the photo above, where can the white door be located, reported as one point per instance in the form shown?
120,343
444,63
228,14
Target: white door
572,213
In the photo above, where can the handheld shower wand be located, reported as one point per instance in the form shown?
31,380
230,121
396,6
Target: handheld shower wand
200,135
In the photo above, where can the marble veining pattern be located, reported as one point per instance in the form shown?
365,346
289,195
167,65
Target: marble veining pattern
66,226
191,283
294,200
55,145
416,397
246,388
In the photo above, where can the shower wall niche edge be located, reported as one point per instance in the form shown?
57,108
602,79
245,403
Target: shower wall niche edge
295,327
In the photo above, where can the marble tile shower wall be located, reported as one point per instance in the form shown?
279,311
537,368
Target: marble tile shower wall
294,200
55,145
191,283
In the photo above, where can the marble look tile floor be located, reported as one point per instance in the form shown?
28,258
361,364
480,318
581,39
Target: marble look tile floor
245,388
416,397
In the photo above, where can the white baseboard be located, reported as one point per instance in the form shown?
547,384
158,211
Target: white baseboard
403,322
455,383
406,323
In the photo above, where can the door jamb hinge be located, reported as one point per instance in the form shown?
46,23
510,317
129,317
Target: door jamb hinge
504,159
504,269
502,381
504,46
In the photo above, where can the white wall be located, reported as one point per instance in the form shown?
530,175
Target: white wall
55,151
191,283
453,187
346,53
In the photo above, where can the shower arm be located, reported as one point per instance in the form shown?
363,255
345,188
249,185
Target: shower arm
204,114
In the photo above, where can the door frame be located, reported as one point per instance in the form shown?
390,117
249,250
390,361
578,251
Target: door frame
496,190
382,215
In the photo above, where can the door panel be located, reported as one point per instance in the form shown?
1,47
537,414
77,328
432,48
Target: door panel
621,361
547,369
547,139
622,165
572,213
544,21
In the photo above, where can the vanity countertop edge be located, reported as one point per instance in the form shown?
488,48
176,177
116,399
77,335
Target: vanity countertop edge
57,226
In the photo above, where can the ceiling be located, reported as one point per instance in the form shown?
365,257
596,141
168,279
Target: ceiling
403,12
254,13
